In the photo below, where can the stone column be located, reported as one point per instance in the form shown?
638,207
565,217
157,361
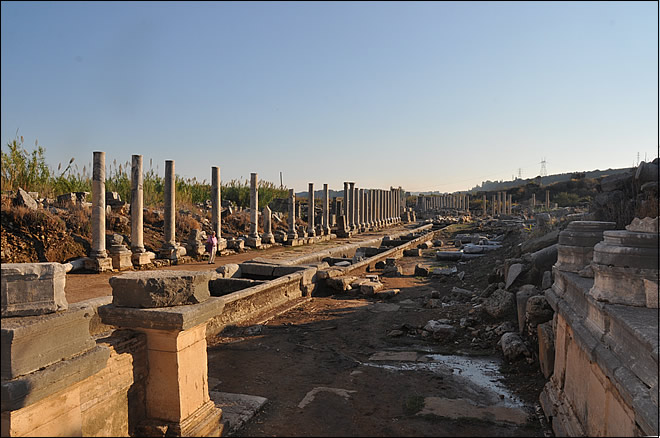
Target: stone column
498,207
483,205
325,226
170,204
292,234
547,199
170,249
100,260
268,236
493,204
137,204
509,204
371,208
533,200
467,203
346,209
216,207
505,210
351,206
140,256
254,240
311,232
356,208
361,216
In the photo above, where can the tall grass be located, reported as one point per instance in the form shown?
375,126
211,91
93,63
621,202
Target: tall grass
29,171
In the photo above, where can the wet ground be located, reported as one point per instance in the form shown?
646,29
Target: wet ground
330,367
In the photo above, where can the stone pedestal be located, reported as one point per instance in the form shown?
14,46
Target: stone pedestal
576,244
253,242
177,394
98,264
119,253
142,258
621,262
172,252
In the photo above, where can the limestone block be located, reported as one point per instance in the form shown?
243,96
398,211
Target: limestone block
95,264
521,303
412,252
500,304
514,271
646,225
618,285
160,288
651,289
628,249
546,348
33,342
259,270
253,242
513,346
32,288
57,415
141,258
340,283
537,311
371,287
229,270
121,261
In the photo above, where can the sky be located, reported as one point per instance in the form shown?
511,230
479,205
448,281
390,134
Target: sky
429,96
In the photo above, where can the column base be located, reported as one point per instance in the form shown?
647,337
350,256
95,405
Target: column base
206,421
142,258
268,239
253,242
121,261
172,252
222,244
98,264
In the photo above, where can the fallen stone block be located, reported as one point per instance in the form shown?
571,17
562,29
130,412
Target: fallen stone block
412,252
387,294
32,288
546,348
448,255
371,287
522,296
514,271
537,312
151,289
513,346
229,270
421,271
501,304
340,283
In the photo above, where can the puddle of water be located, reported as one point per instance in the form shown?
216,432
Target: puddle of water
480,372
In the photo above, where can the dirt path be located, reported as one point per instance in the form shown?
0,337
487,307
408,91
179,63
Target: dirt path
332,367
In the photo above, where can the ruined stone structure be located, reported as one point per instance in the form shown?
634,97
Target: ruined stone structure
605,368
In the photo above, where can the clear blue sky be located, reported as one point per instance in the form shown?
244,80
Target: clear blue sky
428,95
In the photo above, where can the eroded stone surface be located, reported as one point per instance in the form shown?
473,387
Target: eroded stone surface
161,288
32,288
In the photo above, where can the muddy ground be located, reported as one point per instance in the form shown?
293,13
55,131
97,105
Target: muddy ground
349,365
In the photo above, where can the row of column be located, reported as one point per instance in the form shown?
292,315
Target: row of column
98,249
371,208
460,201
363,208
